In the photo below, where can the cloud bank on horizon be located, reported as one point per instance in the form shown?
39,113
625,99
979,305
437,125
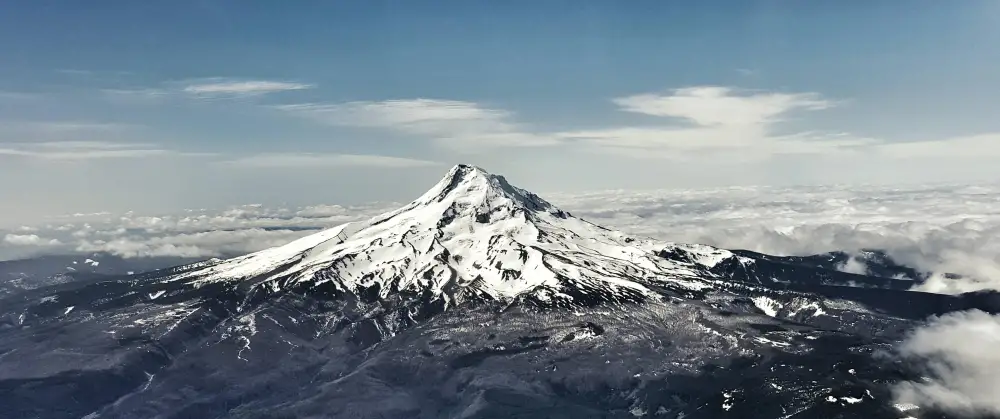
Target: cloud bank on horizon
938,229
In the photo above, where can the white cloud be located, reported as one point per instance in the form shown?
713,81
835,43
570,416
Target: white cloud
219,243
959,353
31,240
67,126
717,105
192,233
95,145
741,143
74,140
701,118
218,87
286,160
86,150
206,88
854,265
973,146
419,115
457,124
718,120
694,122
938,228
982,268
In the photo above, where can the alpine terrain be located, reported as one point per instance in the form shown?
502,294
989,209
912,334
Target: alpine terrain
476,300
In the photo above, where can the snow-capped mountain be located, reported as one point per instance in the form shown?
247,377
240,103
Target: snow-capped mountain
473,235
476,300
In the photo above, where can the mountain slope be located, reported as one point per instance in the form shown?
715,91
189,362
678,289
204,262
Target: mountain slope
477,300
473,235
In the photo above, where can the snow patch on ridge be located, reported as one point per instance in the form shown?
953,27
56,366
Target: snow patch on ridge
768,305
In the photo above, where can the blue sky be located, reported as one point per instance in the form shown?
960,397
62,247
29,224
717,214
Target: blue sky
122,105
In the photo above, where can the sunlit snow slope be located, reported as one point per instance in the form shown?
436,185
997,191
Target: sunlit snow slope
473,235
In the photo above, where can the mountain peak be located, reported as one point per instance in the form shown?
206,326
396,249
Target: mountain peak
470,185
461,173
471,236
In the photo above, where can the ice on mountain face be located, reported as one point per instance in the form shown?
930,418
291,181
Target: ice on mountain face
473,232
767,305
728,402
810,308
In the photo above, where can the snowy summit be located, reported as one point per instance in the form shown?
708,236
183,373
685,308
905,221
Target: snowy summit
473,235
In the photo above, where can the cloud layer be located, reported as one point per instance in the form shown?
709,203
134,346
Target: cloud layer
717,105
87,150
689,119
959,353
684,123
193,233
940,229
226,87
456,124
284,160
208,88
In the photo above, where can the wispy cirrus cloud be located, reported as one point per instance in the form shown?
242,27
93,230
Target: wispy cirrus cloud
456,124
986,145
690,119
299,160
87,150
29,128
223,87
204,88
721,106
417,115
76,140
714,119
